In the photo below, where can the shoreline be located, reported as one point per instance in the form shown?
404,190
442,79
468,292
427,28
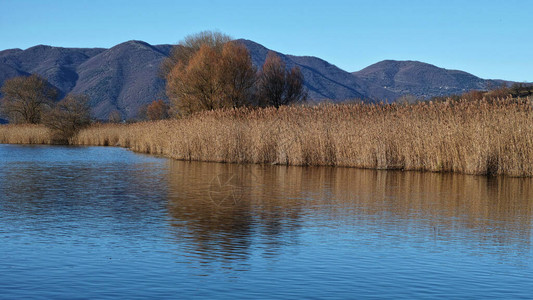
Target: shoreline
469,137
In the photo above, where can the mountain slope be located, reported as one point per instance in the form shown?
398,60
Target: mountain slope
58,65
122,78
418,79
322,79
125,77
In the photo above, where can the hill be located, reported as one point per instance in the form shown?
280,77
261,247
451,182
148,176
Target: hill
322,79
122,78
419,79
125,77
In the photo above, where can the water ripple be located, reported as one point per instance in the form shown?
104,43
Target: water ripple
89,222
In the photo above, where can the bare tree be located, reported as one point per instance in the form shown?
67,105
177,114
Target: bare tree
295,86
278,86
26,98
68,116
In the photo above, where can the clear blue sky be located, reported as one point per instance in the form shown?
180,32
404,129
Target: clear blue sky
491,39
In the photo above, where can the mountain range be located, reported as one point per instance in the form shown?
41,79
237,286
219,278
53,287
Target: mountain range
126,76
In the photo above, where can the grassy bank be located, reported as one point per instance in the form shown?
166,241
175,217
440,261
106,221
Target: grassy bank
472,137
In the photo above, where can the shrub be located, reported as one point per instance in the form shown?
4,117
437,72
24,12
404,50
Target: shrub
67,117
157,110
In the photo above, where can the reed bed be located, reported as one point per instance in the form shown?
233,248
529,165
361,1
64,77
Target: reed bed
484,137
25,134
473,137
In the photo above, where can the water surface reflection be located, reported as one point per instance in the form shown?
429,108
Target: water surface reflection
109,223
262,208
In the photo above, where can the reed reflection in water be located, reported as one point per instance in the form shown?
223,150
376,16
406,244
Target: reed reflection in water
228,212
98,222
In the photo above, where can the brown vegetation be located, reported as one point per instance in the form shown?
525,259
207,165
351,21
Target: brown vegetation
67,117
157,110
517,90
278,86
25,134
207,71
32,100
26,98
474,137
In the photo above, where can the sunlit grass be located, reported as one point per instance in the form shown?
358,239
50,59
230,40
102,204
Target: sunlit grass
472,137
24,134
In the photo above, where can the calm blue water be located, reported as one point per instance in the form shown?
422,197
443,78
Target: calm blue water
90,222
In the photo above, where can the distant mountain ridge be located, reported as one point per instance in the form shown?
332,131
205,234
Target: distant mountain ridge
126,76
420,79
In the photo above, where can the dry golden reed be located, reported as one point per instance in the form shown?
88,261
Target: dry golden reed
25,134
474,137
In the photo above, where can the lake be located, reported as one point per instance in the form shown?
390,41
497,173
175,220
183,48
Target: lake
98,222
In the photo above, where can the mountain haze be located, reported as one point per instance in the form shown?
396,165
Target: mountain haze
126,76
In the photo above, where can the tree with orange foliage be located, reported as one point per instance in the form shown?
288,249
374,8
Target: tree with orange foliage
186,48
236,74
157,110
199,86
208,71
